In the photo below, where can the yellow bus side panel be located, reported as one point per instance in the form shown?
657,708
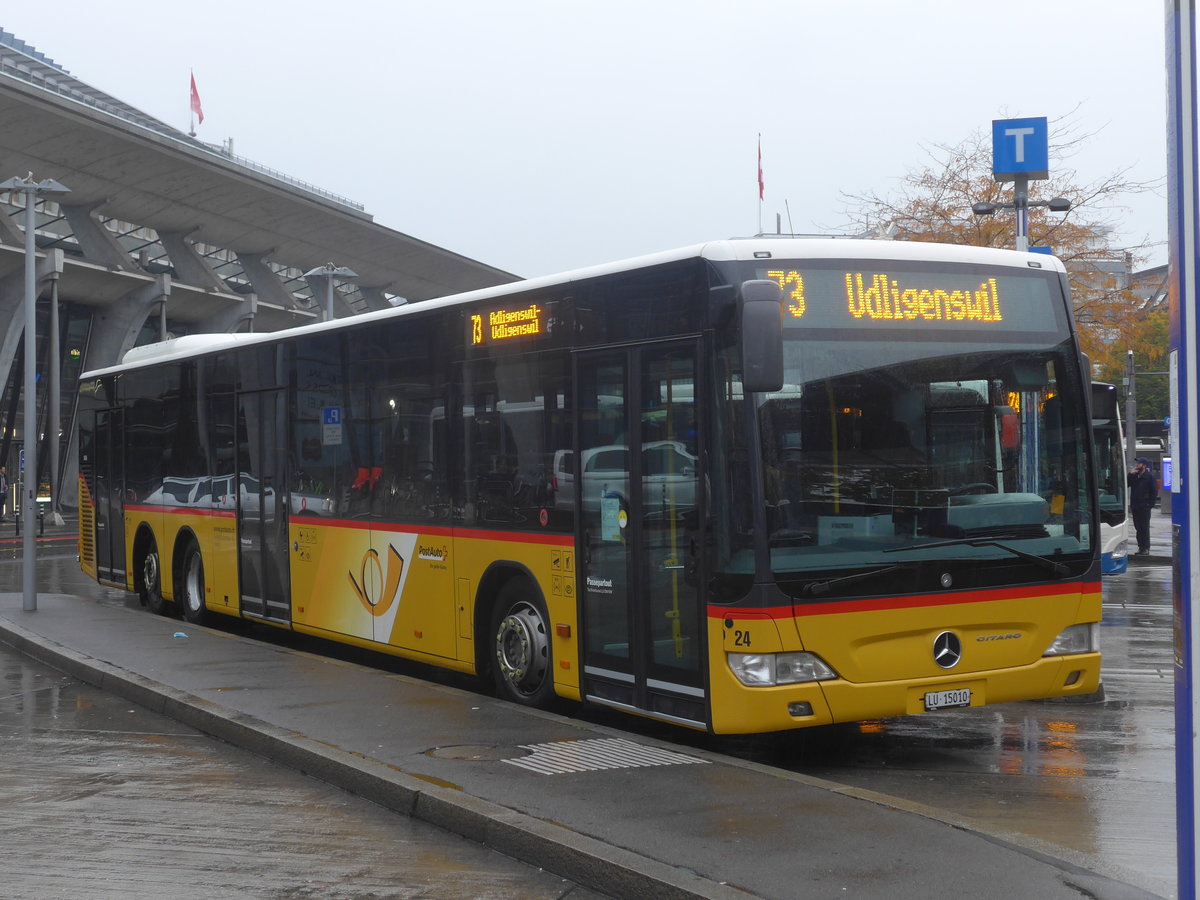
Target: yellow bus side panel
219,551
216,535
336,579
405,590
87,530
551,561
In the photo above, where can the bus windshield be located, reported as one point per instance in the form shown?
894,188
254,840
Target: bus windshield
899,441
1110,455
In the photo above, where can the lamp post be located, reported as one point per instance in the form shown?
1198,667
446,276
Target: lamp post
1021,204
30,189
329,271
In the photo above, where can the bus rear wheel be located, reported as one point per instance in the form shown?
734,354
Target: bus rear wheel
521,646
192,588
151,587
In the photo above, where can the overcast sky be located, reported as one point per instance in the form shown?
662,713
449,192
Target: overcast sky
543,135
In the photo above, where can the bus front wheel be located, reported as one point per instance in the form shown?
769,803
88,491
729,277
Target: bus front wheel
193,586
521,646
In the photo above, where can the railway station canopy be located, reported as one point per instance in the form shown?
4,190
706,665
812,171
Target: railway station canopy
162,235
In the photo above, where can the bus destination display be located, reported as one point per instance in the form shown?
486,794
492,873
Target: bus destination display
507,324
874,297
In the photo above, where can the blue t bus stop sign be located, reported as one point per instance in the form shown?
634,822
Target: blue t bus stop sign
1020,148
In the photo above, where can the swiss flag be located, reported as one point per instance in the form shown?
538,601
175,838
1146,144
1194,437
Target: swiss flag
761,185
196,107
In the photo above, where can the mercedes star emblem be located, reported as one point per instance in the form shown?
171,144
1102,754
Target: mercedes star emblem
947,649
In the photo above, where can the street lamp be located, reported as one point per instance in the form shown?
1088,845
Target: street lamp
30,189
1021,204
329,271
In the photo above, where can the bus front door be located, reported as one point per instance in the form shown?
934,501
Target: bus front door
262,505
637,482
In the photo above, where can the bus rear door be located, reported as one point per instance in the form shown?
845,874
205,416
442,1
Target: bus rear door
102,436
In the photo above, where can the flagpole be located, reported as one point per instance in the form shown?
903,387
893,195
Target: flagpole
760,183
191,105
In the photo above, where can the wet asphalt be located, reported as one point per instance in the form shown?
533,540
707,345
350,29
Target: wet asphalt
101,798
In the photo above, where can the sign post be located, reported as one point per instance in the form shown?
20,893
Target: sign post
1184,275
1021,153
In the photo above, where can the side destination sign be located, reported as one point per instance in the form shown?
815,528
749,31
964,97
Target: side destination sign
874,296
507,324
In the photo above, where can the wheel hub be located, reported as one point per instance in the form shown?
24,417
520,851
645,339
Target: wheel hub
520,644
195,601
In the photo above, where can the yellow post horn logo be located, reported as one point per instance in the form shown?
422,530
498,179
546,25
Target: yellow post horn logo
390,580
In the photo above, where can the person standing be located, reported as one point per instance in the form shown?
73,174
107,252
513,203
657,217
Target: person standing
1143,494
3,493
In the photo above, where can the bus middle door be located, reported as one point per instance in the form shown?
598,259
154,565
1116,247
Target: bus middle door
262,505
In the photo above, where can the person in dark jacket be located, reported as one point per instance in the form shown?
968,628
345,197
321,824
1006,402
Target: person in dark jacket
1143,494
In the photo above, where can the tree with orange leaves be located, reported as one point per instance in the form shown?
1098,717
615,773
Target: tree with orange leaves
934,204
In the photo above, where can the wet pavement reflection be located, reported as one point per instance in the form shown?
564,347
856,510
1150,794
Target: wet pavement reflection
100,798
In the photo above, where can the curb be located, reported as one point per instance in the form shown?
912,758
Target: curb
584,860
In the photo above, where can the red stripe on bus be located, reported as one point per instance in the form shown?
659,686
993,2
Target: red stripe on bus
522,537
915,601
180,510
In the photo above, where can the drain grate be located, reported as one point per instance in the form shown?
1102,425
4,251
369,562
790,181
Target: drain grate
560,757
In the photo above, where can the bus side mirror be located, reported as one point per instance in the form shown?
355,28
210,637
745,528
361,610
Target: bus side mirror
760,308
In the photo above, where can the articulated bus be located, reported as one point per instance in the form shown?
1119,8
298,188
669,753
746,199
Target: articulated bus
1109,438
749,486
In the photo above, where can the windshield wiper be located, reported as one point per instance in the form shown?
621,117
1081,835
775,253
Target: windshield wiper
1057,568
819,588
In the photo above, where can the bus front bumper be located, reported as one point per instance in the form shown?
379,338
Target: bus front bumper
787,707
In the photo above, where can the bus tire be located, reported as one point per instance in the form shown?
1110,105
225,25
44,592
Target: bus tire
151,582
191,586
520,644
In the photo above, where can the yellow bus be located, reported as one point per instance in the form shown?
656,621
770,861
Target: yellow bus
747,486
1109,437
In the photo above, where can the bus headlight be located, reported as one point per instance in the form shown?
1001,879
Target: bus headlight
765,669
1121,550
1076,639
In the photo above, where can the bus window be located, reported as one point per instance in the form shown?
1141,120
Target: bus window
514,426
409,466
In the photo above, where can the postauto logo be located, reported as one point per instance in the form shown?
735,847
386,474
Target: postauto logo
372,572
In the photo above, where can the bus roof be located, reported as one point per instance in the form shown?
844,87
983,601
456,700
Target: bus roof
730,250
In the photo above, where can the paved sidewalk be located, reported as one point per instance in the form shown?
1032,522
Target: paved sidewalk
1161,541
622,814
